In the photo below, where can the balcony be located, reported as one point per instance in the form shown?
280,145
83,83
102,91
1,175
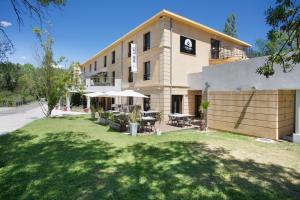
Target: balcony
226,55
103,84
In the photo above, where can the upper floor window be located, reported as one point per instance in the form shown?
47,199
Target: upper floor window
104,61
130,75
90,67
95,66
147,41
113,57
215,48
129,48
147,69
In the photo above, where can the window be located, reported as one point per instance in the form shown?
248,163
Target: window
147,71
84,69
146,41
130,100
113,57
90,67
104,61
95,67
147,103
215,48
129,48
113,77
130,75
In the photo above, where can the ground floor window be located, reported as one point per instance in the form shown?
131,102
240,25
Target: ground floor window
176,104
197,105
147,103
130,100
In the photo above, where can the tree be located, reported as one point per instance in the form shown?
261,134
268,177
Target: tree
51,80
284,19
35,9
9,76
230,26
267,47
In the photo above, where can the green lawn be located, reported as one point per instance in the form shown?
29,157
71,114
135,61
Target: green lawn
74,158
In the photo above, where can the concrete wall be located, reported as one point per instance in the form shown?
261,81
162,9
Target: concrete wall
242,75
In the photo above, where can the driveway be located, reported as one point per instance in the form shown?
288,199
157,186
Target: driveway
14,118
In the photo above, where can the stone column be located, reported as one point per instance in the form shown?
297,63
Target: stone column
88,103
68,98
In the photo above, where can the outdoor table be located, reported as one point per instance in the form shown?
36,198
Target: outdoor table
151,113
181,119
147,122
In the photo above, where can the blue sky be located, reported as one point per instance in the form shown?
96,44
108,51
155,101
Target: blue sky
83,27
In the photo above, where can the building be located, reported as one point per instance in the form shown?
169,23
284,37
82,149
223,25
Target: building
169,48
244,102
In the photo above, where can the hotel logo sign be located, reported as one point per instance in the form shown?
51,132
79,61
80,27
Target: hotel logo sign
187,45
133,58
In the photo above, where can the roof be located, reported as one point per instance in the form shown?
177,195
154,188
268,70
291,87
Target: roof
174,17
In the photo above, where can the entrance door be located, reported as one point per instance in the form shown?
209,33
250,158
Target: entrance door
215,48
197,105
176,103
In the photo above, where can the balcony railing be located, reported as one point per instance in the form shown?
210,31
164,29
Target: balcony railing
146,77
225,53
103,81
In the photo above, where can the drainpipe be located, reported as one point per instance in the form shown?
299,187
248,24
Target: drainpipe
171,72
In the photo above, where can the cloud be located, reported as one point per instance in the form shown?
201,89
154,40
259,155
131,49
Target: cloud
5,24
23,57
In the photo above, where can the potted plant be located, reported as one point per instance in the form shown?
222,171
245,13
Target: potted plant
133,125
93,111
203,116
102,116
159,119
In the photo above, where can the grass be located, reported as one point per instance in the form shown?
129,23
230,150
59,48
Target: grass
74,158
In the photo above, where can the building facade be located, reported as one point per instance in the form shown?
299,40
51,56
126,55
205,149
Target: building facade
244,102
169,48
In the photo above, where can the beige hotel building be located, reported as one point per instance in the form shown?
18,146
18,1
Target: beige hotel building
169,48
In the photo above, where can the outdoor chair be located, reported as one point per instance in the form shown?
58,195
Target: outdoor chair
180,122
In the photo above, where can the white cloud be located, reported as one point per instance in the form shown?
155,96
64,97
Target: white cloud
5,24
23,57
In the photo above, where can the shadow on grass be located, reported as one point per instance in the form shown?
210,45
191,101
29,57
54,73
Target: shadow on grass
69,165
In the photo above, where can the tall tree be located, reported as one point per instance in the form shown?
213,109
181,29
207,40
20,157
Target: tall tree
230,26
284,19
51,80
35,9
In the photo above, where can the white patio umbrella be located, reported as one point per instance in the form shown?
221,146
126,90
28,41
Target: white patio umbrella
95,94
112,94
131,93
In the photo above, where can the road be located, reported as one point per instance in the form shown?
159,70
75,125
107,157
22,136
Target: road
14,118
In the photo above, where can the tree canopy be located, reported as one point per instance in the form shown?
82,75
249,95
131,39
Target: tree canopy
284,37
230,26
35,9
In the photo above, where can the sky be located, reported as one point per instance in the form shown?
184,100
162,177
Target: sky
83,27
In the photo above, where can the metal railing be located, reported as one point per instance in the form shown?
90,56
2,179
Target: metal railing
225,53
103,81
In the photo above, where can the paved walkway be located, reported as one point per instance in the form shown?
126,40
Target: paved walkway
14,118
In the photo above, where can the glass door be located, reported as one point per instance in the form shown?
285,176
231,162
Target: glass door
215,48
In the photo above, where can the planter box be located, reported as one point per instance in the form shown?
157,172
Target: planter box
133,127
114,126
103,121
